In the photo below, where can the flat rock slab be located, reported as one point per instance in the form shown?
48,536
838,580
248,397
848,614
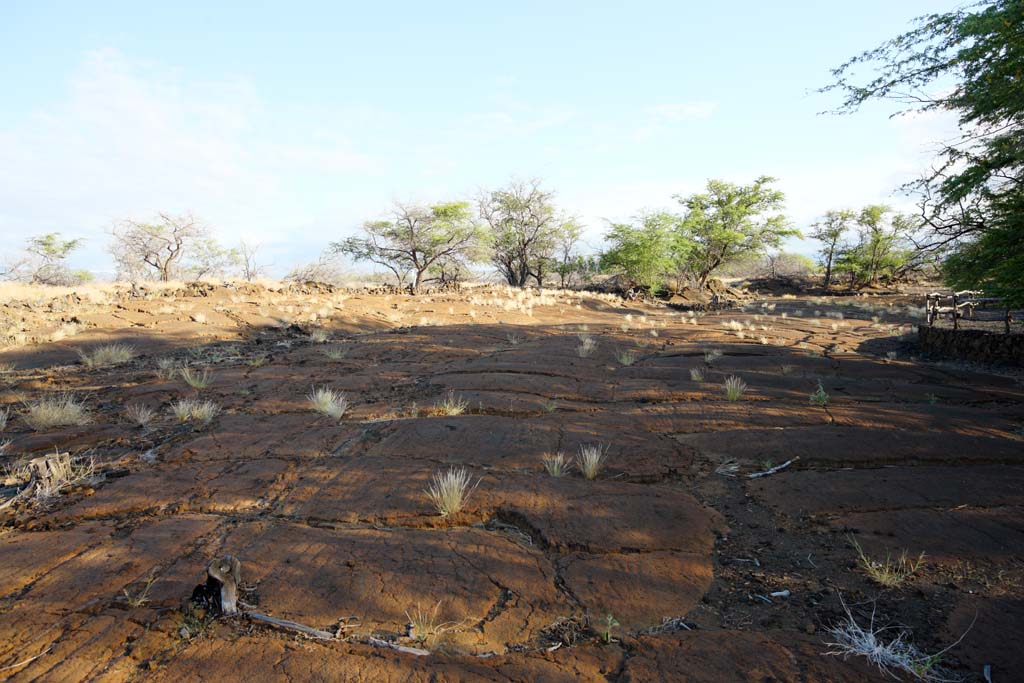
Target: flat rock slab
238,486
519,444
819,492
946,536
563,513
493,592
638,589
840,446
249,659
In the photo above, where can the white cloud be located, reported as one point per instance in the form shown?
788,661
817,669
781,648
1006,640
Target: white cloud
661,119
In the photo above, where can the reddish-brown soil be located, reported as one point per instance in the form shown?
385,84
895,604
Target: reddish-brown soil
672,544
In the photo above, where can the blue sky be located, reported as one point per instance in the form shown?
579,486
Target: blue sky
290,123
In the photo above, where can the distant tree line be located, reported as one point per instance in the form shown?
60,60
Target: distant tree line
519,231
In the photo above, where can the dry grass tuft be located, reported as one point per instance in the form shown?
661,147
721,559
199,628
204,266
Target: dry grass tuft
892,572
451,405
894,657
106,355
196,380
734,387
336,352
318,335
425,625
556,464
329,402
192,410
590,459
697,374
626,357
586,347
140,414
450,490
60,410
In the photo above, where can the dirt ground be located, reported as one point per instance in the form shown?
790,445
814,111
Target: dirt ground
663,568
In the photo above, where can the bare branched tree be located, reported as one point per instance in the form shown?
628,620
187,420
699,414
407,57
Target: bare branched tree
525,230
155,248
247,261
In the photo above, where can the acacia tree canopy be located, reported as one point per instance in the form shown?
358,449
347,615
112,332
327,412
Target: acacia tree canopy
728,221
417,240
969,62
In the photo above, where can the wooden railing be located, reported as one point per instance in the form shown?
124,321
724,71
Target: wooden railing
967,305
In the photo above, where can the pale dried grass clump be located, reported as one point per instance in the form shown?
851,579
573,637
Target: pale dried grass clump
335,352
61,410
166,368
734,387
590,459
626,357
697,374
555,464
425,625
192,410
5,414
711,356
195,379
450,490
586,347
140,414
892,572
329,402
451,405
318,335
59,472
893,657
107,355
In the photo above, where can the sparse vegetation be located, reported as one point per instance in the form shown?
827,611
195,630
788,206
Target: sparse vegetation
107,355
626,357
195,379
318,335
335,352
425,625
60,410
586,346
697,374
734,388
451,405
326,401
140,414
450,490
893,657
590,459
193,410
819,397
711,356
892,572
555,464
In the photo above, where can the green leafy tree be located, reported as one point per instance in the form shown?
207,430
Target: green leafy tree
883,250
830,230
648,249
969,62
728,221
424,242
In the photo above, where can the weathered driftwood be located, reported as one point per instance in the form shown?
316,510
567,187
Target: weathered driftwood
773,470
228,571
377,642
289,625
